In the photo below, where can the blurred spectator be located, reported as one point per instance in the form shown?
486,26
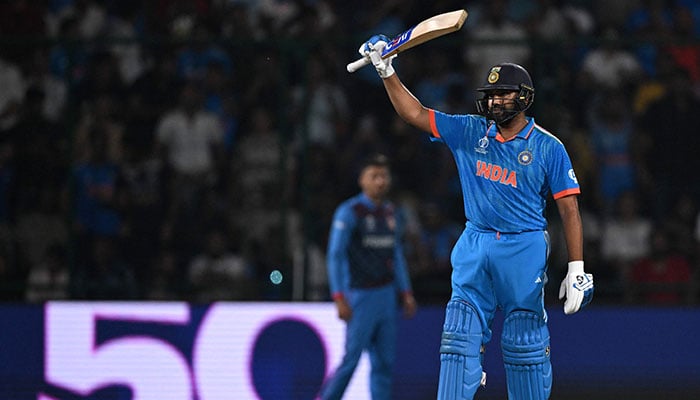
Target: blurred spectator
54,88
175,18
238,21
40,150
652,88
612,127
92,17
664,277
694,8
323,102
671,156
625,237
101,117
682,48
13,88
201,52
143,204
67,59
102,79
291,18
158,89
217,86
93,190
310,20
650,22
50,278
555,20
219,272
189,141
608,67
149,98
258,186
494,39
122,25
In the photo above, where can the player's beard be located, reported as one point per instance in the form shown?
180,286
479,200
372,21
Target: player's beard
504,113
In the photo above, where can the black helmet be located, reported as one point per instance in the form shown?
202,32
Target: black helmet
507,76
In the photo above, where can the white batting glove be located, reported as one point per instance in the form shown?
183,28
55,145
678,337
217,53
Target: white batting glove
577,287
373,49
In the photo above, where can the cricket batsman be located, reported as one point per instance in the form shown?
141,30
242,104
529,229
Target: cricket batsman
508,167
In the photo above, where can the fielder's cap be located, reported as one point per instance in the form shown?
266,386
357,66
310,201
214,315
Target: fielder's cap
507,76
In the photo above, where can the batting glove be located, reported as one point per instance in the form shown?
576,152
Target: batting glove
577,286
373,49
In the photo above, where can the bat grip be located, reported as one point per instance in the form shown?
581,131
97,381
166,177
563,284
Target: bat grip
357,64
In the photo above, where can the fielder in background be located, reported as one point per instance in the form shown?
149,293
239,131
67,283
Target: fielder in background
368,275
508,166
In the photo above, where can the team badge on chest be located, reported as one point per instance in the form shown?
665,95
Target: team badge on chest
525,157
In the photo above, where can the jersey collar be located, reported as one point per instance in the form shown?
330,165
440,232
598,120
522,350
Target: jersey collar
492,131
368,202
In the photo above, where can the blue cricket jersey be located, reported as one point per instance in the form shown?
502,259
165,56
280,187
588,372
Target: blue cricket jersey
505,183
365,247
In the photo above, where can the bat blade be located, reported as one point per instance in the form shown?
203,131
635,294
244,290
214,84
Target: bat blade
424,31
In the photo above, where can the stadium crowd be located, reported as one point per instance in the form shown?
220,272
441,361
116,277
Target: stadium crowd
183,150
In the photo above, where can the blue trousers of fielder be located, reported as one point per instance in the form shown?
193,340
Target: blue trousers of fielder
494,270
373,327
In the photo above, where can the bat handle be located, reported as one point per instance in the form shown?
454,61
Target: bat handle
357,64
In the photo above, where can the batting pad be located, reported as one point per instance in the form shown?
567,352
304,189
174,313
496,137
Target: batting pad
460,356
525,345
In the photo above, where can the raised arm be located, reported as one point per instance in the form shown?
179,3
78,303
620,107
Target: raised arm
405,103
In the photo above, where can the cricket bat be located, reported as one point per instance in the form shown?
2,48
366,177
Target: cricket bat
428,29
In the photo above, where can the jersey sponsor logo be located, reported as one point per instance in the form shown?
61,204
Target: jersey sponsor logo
378,241
525,157
496,173
572,176
483,144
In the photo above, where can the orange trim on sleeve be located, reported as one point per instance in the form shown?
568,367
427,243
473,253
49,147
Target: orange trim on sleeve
566,192
433,125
